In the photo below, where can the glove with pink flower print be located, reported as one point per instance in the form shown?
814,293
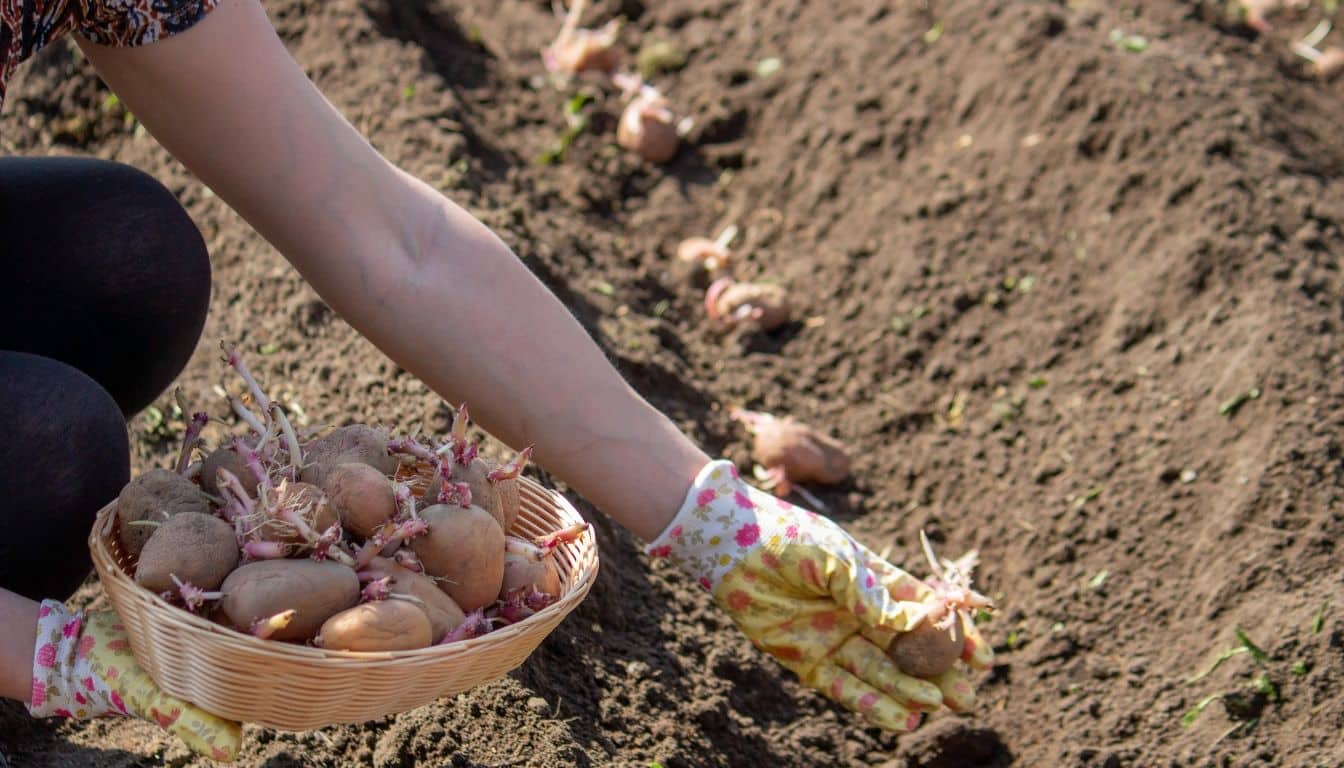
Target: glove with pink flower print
83,668
804,591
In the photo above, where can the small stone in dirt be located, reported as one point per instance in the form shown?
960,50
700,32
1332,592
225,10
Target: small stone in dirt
538,705
1188,476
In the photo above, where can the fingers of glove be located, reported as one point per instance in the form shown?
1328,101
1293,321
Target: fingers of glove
871,664
958,693
978,653
881,710
877,636
902,584
843,573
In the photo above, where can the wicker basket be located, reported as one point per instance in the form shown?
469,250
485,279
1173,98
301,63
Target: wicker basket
293,687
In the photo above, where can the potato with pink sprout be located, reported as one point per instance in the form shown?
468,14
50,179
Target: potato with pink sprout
314,591
472,479
577,50
464,551
730,304
793,453
381,625
444,614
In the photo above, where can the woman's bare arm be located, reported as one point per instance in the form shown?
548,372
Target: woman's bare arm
431,286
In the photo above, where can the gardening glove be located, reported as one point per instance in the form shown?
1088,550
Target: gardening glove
83,668
804,591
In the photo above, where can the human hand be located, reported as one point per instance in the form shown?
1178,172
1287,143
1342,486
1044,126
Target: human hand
823,605
83,668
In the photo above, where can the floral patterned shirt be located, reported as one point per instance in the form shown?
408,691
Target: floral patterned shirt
27,26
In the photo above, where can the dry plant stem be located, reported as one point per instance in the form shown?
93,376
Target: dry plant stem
236,363
249,418
370,549
233,488
266,550
291,440
376,589
328,545
190,440
543,546
288,514
951,582
451,491
408,560
726,237
1326,63
410,447
405,501
402,533
512,469
192,596
264,628
475,625
459,445
253,462
571,23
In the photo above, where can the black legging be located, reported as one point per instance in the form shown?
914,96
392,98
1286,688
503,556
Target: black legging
105,286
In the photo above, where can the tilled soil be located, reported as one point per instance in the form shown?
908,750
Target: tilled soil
1043,255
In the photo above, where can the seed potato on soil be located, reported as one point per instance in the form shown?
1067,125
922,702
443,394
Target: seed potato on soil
1099,246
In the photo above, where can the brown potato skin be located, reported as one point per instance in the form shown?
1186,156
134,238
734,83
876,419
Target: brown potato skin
807,456
928,651
465,548
510,502
155,495
355,443
444,614
385,625
226,458
316,591
361,497
199,549
520,573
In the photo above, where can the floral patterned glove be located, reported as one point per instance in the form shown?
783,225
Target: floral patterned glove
83,668
805,592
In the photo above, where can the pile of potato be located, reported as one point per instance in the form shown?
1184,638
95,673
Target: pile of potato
319,542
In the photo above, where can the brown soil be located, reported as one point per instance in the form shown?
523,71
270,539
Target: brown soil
1032,262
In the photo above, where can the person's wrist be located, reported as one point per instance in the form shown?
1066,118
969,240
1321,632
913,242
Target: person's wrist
63,684
715,526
